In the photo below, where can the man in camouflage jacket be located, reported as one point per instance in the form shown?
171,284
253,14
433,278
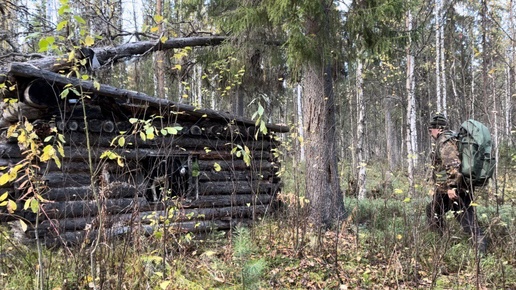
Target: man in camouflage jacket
451,191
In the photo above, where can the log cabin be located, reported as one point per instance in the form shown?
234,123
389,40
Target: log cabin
124,161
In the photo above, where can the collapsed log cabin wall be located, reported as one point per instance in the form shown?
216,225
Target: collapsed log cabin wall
193,178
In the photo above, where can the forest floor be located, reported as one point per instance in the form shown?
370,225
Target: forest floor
384,244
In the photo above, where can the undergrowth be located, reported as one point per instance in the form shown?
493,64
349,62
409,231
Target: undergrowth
384,243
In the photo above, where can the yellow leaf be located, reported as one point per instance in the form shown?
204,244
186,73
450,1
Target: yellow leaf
120,161
4,178
11,206
154,29
23,225
217,167
163,39
473,204
4,196
158,18
164,284
89,41
406,200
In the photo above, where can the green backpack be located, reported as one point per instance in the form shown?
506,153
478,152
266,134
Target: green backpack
474,142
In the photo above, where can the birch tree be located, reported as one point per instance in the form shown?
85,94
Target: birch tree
411,109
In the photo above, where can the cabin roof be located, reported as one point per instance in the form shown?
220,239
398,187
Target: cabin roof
127,99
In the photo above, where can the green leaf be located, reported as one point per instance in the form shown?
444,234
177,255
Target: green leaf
43,45
34,205
121,141
61,25
79,19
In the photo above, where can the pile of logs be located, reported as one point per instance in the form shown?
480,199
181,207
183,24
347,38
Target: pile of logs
88,191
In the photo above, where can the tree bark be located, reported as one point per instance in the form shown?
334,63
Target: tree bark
361,154
107,55
322,179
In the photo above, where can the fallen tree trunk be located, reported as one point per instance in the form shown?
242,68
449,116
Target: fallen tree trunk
107,55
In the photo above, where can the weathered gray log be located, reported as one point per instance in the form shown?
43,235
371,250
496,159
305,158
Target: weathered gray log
11,113
256,165
131,97
41,94
211,175
235,187
56,179
197,214
79,237
10,150
65,209
81,193
178,141
110,54
108,126
209,201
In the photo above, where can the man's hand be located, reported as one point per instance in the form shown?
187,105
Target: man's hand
452,194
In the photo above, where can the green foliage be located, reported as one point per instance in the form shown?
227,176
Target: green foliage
251,269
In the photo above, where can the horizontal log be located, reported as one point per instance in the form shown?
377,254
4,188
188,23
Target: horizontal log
256,165
81,193
213,201
80,237
55,179
131,97
11,113
41,94
206,176
235,187
170,142
65,209
197,214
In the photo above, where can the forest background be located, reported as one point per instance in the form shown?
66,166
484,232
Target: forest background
357,82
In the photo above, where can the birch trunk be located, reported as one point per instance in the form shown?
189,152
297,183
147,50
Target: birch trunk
300,123
443,61
411,112
361,156
437,14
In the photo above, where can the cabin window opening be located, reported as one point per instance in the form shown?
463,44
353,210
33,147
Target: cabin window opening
170,176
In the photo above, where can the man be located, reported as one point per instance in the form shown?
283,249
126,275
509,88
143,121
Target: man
452,192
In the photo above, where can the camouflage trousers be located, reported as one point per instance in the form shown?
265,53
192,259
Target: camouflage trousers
462,210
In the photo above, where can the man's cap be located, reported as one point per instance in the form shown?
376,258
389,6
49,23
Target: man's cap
438,121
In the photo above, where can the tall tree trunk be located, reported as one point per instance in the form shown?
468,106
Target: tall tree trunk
300,128
443,63
322,178
511,75
392,144
361,154
437,16
159,58
411,111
